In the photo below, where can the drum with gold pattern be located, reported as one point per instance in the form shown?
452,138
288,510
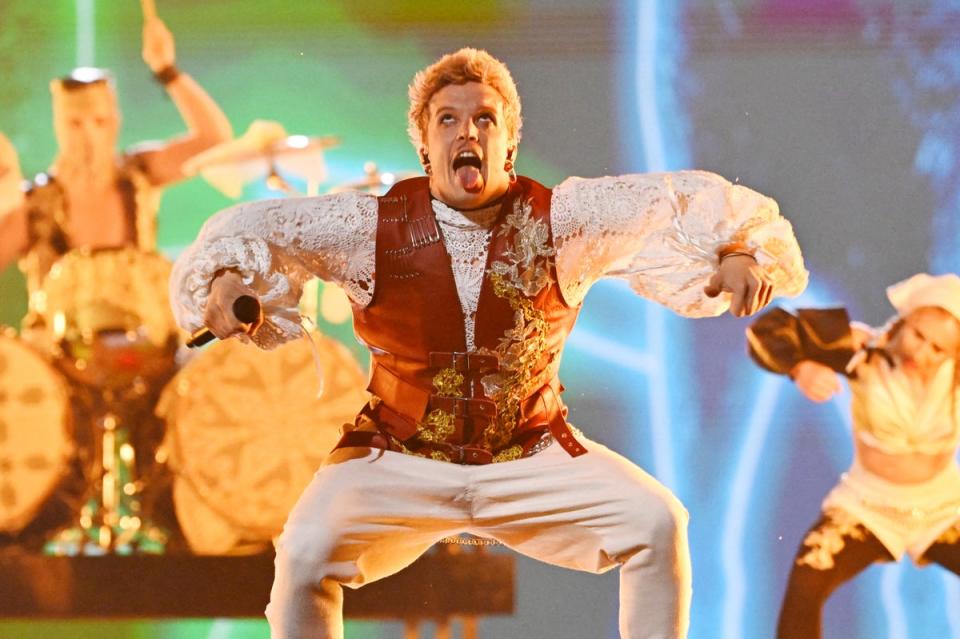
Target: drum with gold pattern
35,427
107,312
246,431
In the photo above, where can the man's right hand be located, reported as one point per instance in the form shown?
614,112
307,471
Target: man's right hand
816,381
226,287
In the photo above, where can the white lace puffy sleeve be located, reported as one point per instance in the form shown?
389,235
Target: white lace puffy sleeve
277,245
661,233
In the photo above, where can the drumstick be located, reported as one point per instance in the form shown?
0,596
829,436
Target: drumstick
149,10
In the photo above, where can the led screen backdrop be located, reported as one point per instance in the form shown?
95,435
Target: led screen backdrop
844,111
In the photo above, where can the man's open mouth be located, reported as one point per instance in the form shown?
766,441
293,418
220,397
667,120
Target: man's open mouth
467,158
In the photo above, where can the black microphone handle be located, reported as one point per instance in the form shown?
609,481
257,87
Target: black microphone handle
246,308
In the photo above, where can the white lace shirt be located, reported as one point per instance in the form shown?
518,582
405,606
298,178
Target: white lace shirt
659,232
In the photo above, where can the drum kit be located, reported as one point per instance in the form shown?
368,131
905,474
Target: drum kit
113,440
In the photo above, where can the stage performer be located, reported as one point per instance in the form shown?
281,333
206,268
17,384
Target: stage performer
901,495
465,284
91,196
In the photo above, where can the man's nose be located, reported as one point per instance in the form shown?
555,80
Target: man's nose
469,131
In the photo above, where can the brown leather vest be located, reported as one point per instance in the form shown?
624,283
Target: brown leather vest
431,396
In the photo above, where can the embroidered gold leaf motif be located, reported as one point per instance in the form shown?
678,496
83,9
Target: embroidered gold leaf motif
524,273
436,427
524,266
439,424
448,383
508,454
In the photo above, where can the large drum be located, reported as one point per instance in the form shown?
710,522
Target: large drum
246,431
108,315
35,432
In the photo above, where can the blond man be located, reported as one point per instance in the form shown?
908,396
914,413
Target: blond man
465,285
901,495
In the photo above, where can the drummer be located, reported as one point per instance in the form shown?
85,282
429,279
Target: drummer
91,196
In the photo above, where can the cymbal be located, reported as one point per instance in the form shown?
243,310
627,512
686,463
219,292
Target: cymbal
374,181
278,151
264,150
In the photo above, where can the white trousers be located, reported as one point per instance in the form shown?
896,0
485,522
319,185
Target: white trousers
368,513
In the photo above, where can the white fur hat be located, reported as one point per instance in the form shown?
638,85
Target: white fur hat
926,290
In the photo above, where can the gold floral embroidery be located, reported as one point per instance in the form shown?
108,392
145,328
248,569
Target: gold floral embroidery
827,540
508,454
523,267
436,427
439,424
524,273
448,383
433,454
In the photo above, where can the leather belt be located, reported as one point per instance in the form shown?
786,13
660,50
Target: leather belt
471,362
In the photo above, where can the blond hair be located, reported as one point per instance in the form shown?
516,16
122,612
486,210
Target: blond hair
460,67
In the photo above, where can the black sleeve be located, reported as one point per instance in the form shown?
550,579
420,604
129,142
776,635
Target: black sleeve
778,340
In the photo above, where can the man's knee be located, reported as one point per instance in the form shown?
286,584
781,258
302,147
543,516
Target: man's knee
664,517
304,556
657,524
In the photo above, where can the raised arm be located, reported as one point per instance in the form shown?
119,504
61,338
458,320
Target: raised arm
274,246
812,346
666,233
13,214
207,126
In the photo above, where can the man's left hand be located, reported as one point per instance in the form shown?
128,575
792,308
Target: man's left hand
742,277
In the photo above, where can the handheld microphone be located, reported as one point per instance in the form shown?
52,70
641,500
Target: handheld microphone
246,308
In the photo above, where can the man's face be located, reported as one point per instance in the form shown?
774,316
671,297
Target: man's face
87,123
467,144
928,338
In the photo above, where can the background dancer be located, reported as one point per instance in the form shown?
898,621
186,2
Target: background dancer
902,493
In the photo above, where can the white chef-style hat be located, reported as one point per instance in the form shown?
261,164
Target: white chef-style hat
926,290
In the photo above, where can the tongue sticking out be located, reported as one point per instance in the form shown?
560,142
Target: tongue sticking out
470,179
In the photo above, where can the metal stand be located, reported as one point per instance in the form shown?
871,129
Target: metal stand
111,521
